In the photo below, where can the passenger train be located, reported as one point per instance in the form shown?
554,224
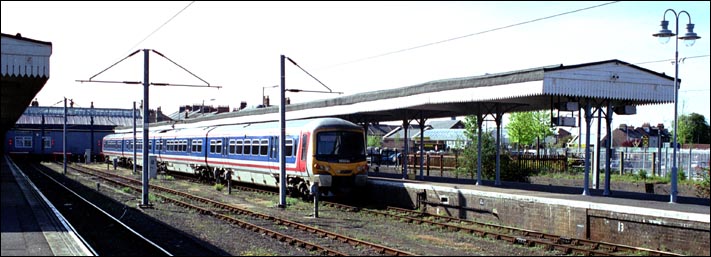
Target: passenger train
329,151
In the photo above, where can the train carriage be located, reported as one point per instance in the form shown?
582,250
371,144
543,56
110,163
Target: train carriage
329,151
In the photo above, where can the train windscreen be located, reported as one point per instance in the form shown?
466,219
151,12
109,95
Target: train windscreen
340,146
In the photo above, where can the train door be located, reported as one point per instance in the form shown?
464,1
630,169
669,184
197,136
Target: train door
273,161
302,153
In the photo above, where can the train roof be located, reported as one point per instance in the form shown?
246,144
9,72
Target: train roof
292,127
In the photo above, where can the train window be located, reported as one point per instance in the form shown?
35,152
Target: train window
289,147
264,147
23,142
215,146
304,146
47,142
195,146
255,146
159,145
247,146
232,147
238,149
184,145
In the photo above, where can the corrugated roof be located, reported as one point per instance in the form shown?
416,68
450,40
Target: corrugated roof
443,134
516,91
443,124
78,116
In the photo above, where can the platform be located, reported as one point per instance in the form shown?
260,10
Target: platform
31,226
627,218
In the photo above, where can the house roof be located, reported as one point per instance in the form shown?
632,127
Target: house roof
33,115
443,134
446,124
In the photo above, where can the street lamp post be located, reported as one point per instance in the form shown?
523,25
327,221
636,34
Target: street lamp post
263,103
202,108
690,37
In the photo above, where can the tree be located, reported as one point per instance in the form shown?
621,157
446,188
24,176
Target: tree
374,141
468,165
469,162
525,127
693,128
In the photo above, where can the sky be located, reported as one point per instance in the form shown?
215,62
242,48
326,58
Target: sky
351,47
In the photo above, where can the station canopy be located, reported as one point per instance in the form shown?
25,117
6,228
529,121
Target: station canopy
613,81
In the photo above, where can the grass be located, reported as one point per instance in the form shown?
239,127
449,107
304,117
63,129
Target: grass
219,187
258,252
632,178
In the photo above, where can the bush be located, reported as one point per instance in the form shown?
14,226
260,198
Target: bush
680,174
468,164
219,187
703,188
642,174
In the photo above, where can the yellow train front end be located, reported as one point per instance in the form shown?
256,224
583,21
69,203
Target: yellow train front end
338,161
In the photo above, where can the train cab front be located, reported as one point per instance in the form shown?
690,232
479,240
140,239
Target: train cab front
339,161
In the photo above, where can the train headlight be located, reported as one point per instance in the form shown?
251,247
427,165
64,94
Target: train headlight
321,167
362,168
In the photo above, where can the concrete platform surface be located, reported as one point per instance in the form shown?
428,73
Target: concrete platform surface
31,226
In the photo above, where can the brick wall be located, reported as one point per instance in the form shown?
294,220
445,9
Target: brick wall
687,237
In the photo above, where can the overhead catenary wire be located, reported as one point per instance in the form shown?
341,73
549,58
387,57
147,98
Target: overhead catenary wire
472,34
208,84
681,60
293,62
161,26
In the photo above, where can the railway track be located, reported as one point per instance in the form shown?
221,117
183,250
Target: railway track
102,232
529,237
509,234
256,221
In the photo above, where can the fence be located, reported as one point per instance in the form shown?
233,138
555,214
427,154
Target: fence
625,160
445,165
654,161
555,162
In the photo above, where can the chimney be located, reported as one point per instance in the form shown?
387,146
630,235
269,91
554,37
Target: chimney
221,109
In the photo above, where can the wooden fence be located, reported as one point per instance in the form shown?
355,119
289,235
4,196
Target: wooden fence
447,164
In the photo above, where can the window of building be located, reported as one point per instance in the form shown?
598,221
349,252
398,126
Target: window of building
47,142
23,142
